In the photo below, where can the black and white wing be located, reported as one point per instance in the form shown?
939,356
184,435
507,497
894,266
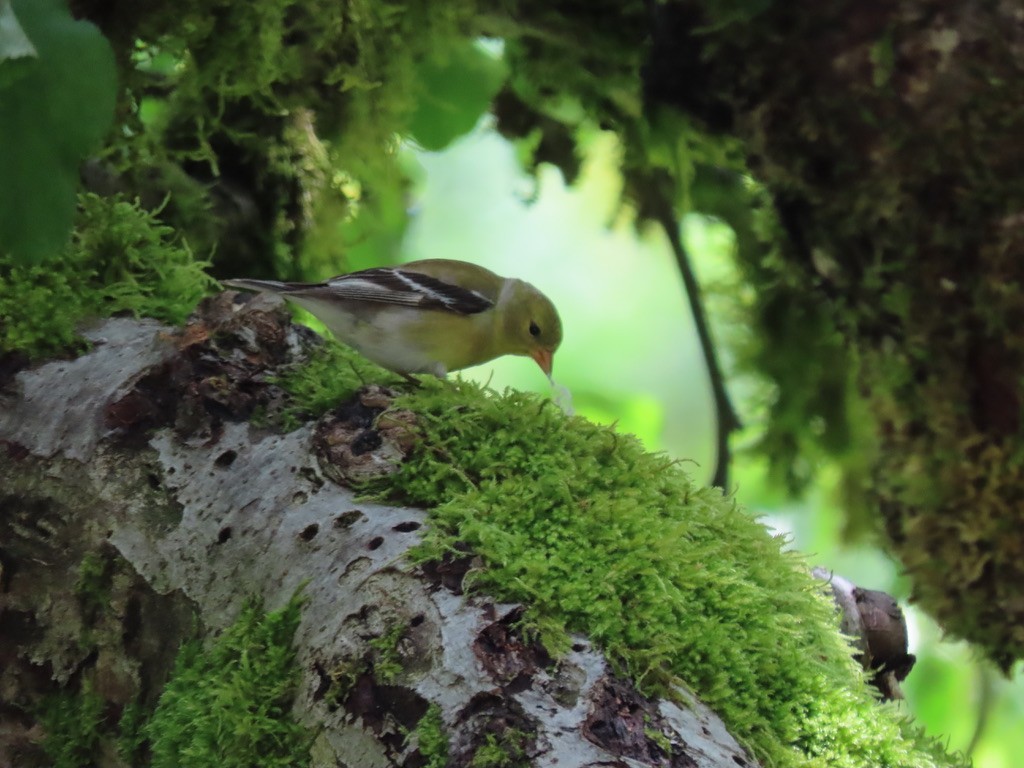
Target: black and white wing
394,285
381,285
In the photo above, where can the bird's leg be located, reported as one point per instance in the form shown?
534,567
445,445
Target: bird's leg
411,379
356,372
437,370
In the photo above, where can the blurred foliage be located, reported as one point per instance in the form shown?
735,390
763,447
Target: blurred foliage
55,106
456,91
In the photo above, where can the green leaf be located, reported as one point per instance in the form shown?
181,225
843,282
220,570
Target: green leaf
51,115
454,93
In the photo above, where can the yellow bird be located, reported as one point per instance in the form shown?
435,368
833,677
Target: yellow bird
430,316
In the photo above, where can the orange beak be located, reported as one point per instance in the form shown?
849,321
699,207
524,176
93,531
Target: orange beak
545,358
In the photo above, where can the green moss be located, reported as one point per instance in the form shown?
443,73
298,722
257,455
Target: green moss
72,724
229,705
93,583
282,54
430,738
40,307
507,750
331,375
387,662
138,264
659,738
121,259
131,738
674,582
383,661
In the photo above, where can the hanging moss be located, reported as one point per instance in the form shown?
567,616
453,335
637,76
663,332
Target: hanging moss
894,173
287,112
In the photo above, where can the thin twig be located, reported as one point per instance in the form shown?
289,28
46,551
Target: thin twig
660,208
986,702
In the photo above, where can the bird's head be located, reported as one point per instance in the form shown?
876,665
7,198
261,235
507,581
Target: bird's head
531,324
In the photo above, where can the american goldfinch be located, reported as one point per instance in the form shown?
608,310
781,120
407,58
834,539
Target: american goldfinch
429,316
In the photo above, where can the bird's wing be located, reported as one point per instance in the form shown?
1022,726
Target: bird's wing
385,285
393,285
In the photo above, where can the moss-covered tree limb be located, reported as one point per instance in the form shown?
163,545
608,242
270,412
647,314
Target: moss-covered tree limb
141,455
119,543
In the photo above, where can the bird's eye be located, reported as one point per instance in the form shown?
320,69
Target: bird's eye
534,329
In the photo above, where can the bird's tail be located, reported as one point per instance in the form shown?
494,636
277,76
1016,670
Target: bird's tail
269,286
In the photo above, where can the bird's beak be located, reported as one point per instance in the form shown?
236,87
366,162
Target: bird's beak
545,359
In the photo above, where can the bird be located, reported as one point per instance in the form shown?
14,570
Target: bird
430,316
